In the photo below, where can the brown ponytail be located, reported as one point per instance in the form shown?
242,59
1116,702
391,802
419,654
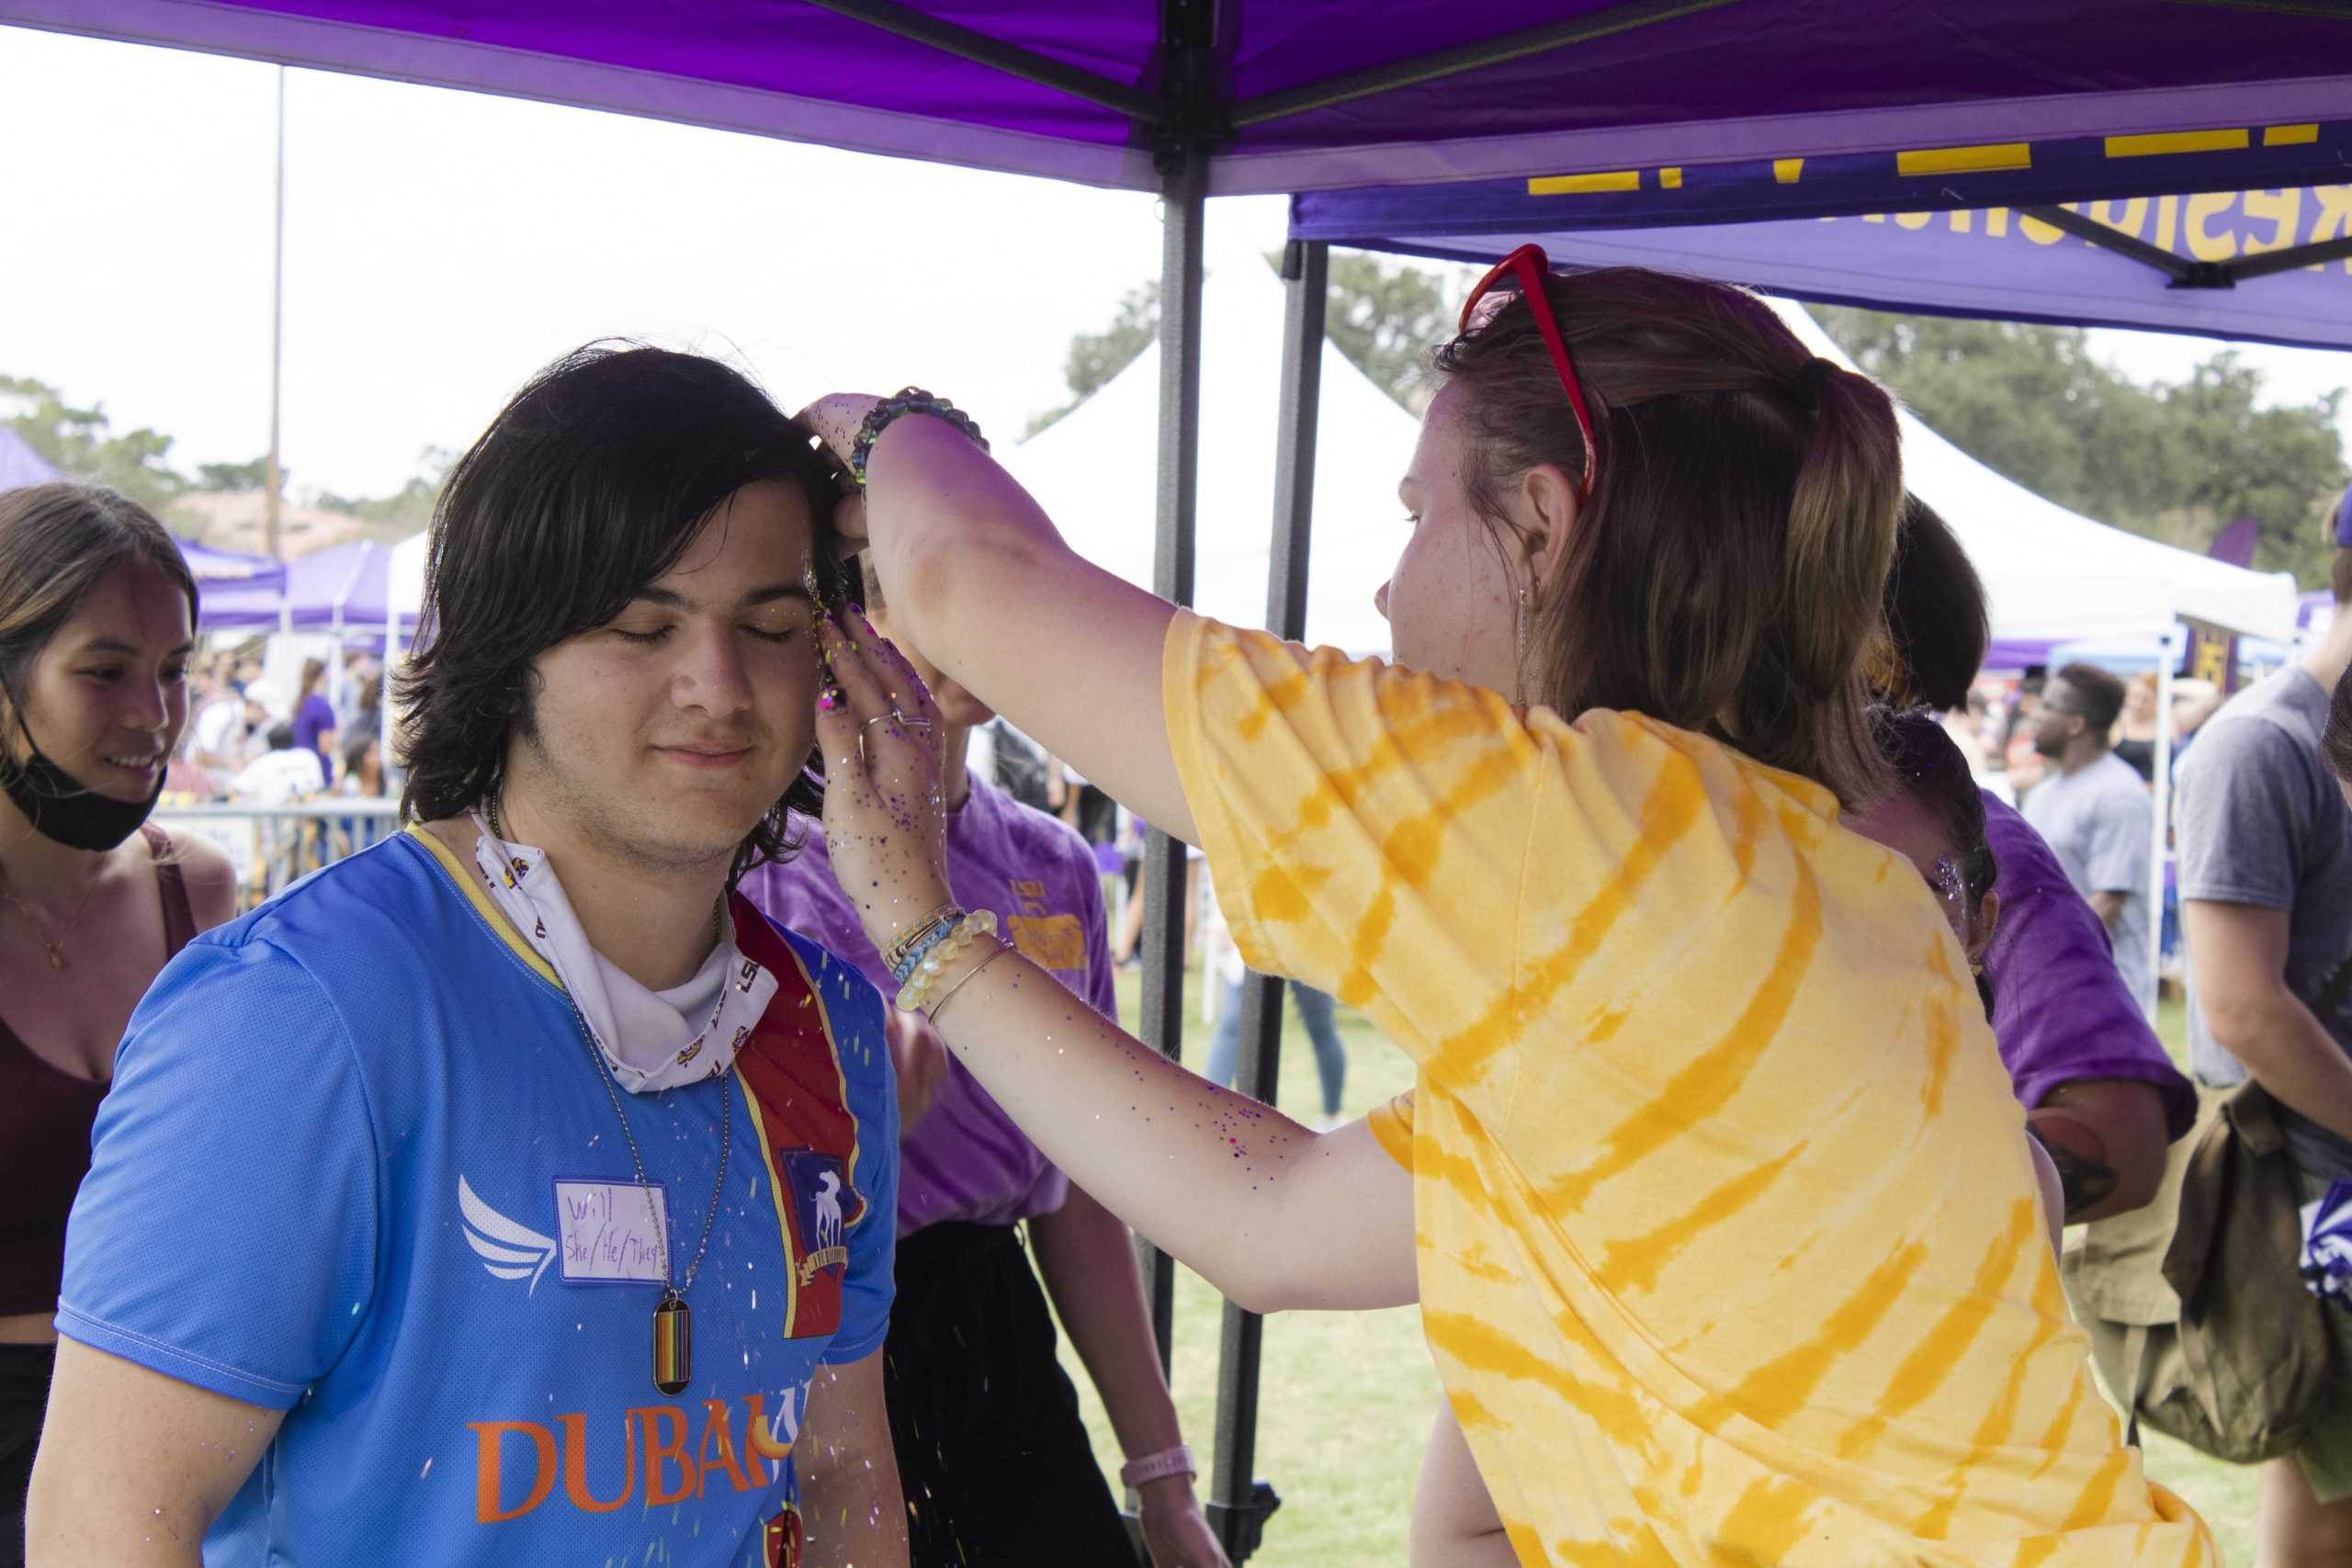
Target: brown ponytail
1726,575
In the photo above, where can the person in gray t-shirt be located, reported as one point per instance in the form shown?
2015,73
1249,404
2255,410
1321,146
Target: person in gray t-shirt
2093,810
2266,887
2265,832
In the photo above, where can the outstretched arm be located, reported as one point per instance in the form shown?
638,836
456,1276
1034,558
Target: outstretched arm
977,578
1272,1215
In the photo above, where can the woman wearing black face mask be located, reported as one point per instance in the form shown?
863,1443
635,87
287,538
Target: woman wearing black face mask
97,611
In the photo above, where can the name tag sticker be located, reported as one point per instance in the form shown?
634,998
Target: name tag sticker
608,1232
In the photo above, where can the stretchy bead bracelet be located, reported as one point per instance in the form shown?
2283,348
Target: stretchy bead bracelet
905,952
906,401
915,991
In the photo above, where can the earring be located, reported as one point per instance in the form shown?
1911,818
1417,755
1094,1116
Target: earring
1520,671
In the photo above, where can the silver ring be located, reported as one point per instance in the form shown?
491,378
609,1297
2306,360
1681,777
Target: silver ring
880,718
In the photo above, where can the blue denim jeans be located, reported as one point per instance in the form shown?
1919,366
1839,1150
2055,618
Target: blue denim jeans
1314,1011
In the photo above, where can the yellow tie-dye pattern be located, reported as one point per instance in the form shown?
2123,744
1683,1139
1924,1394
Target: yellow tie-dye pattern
1717,1171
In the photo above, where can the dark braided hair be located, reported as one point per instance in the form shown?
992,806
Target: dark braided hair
1930,770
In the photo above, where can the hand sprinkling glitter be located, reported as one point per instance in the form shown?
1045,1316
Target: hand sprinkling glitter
885,824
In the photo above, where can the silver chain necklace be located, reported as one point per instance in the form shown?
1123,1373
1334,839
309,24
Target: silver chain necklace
673,1332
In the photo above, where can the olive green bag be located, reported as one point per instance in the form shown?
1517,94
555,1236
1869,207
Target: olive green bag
2198,1319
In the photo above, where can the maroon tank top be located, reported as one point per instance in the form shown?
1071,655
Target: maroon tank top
45,1118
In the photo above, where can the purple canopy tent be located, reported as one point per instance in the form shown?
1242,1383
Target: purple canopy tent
2239,231
21,465
342,586
1295,94
224,572
1190,97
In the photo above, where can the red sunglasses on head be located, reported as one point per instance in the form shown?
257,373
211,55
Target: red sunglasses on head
1528,266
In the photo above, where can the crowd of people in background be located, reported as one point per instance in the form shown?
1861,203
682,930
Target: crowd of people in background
251,739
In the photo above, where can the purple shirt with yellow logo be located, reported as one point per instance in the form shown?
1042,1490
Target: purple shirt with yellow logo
966,1160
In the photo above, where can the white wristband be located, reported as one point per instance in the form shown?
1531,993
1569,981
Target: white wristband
1176,1461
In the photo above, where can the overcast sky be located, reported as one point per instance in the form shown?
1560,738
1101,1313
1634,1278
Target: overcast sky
440,245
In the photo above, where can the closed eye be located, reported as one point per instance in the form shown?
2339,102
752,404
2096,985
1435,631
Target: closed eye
643,639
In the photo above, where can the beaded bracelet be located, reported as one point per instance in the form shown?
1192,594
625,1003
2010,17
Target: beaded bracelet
1003,947
914,992
906,401
905,952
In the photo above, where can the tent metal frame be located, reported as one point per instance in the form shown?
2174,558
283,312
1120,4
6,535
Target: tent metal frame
2182,271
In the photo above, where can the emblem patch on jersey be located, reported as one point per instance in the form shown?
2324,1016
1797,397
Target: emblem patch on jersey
508,1248
785,1538
820,1194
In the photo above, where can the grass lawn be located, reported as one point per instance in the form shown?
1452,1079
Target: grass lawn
1345,1399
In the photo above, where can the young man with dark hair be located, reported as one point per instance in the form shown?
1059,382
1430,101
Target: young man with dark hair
2266,889
2093,810
513,1192
995,1460
2100,1095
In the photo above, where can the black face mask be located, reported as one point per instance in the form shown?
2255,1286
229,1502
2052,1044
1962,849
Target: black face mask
60,807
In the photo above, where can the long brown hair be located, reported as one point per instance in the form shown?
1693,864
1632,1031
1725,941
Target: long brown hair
1726,574
58,543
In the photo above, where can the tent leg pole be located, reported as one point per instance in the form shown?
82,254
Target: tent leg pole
2159,852
1239,1502
1184,201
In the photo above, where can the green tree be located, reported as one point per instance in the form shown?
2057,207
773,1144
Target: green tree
1095,357
81,442
406,510
251,475
1385,317
2177,462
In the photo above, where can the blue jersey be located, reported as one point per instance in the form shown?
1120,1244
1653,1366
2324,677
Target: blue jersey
358,1165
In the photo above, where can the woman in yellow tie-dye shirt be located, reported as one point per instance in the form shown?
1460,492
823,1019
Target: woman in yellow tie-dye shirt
1712,1190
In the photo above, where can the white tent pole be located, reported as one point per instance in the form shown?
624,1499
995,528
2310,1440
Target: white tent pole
395,650
2158,851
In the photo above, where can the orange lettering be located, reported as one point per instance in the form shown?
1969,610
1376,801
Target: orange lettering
664,1426
575,1465
762,1435
489,1470
718,1423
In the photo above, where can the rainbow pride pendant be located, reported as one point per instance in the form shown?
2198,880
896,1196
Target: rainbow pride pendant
673,1344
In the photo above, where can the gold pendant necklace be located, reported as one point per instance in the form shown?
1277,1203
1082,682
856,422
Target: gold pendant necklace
39,917
673,1325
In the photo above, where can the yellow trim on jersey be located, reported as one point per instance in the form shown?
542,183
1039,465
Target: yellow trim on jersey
776,1182
781,1197
833,1045
483,906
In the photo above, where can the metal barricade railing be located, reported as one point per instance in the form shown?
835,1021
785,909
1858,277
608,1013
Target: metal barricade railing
273,846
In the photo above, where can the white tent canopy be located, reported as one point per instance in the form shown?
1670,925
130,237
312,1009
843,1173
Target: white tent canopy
1094,469
2055,576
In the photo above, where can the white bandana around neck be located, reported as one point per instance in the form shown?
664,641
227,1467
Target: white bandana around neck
651,1040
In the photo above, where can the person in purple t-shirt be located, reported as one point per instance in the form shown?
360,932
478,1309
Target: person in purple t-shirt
314,720
993,1456
2100,1092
